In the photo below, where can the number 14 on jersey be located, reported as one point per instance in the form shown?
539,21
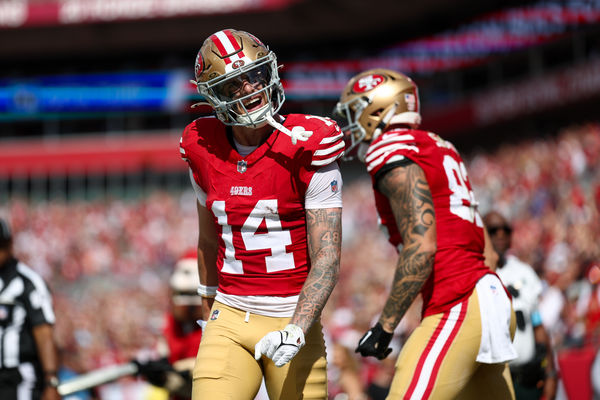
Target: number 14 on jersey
276,238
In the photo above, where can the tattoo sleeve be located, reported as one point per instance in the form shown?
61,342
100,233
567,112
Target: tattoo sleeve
408,192
324,236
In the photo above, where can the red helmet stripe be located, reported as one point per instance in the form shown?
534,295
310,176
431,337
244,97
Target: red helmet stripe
417,103
226,44
217,41
234,42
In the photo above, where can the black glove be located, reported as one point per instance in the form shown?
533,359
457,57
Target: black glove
375,343
154,371
532,372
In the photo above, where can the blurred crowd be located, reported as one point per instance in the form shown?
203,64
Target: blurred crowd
108,261
550,190
108,265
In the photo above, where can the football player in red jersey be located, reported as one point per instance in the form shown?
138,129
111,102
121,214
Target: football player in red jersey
181,333
426,203
269,208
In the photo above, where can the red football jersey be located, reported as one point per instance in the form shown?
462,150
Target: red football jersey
459,260
181,344
257,201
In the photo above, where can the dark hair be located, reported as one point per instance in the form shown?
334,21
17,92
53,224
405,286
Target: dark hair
5,235
493,229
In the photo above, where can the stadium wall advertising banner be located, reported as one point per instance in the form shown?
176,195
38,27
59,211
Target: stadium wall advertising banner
116,154
16,13
91,93
519,99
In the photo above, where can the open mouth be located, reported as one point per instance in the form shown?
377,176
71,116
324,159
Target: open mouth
253,103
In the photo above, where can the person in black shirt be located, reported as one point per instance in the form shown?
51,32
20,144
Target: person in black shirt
28,355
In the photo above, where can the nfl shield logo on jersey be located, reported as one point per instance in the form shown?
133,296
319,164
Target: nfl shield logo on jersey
334,186
242,166
215,315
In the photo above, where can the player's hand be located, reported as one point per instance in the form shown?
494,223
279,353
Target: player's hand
50,393
202,324
280,346
154,371
375,343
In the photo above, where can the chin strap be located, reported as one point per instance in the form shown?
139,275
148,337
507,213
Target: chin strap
297,132
385,120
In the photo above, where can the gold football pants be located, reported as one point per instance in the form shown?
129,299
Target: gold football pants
225,367
438,360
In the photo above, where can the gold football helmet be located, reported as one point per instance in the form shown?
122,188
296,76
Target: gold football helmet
237,74
374,100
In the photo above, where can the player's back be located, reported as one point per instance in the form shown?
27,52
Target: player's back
459,258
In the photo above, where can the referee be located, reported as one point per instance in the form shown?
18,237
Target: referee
28,356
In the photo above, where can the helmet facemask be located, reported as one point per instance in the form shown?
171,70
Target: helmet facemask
350,113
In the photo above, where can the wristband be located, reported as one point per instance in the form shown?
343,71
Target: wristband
52,381
207,291
552,374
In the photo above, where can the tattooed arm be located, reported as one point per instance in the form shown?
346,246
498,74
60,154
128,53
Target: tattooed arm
408,192
324,235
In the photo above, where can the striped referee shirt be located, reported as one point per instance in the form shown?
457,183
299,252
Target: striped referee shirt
25,302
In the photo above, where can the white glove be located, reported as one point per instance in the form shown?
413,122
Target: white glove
280,346
297,132
202,324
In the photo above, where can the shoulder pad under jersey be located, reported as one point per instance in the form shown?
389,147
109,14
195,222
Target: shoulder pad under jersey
391,147
326,144
194,131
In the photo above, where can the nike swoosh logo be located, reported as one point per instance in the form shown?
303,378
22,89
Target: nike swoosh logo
364,339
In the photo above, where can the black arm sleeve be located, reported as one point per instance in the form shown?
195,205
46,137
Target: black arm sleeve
388,167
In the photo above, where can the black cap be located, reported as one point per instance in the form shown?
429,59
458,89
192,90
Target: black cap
5,235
